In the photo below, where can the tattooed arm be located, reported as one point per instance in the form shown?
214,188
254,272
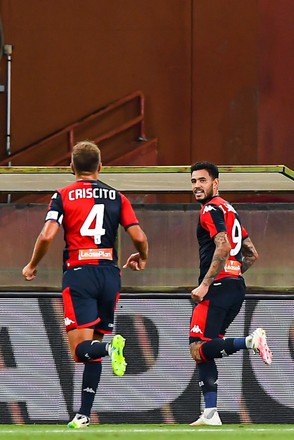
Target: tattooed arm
249,253
220,256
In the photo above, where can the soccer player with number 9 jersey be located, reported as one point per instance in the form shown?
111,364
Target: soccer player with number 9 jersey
225,253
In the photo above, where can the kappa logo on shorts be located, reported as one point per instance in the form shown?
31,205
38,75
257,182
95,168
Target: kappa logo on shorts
95,254
196,329
68,321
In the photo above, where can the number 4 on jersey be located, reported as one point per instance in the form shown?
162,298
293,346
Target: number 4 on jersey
96,215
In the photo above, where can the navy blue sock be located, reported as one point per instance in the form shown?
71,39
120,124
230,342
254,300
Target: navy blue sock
91,350
91,378
240,343
218,348
210,399
208,376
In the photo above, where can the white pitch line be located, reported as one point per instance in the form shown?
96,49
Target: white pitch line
140,430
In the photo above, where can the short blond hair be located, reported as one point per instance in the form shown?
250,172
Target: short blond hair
86,157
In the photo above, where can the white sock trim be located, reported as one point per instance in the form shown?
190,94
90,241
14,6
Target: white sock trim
248,341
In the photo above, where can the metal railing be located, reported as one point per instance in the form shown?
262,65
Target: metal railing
70,129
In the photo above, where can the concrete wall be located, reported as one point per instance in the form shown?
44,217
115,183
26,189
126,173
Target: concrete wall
217,75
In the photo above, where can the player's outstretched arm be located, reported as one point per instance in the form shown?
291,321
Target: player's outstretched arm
41,247
138,260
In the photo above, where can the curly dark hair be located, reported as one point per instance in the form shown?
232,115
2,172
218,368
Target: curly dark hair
211,168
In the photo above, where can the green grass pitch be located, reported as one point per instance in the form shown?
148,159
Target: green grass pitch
147,432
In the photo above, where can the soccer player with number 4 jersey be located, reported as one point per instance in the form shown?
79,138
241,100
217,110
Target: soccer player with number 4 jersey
90,213
225,253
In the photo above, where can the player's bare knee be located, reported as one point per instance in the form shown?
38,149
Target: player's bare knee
73,354
195,351
72,349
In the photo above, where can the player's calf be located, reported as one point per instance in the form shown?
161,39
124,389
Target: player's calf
90,350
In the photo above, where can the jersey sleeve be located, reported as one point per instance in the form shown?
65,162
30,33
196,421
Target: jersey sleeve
128,217
244,233
55,209
212,219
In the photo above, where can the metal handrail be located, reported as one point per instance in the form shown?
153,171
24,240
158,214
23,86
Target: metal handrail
69,130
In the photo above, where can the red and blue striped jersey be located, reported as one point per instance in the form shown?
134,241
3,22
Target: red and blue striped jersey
90,213
217,215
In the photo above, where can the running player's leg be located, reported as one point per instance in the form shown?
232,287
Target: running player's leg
232,297
224,301
208,323
207,369
90,317
81,316
84,348
107,304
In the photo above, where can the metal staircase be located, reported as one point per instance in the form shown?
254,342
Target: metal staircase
118,128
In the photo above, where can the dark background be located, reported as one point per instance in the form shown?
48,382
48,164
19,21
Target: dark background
217,75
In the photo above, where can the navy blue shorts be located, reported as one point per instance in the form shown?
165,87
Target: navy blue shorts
223,301
90,294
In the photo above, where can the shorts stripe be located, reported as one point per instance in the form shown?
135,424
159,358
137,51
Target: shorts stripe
198,321
70,318
69,312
